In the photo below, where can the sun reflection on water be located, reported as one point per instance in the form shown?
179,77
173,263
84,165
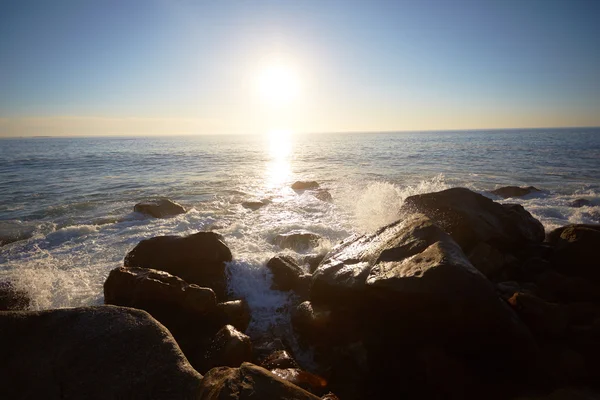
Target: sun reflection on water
278,166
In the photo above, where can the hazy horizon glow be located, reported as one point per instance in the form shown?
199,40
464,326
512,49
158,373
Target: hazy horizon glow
162,67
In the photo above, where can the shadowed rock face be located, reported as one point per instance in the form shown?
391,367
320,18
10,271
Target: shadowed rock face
576,250
161,208
514,191
470,218
101,352
408,290
248,382
286,273
199,258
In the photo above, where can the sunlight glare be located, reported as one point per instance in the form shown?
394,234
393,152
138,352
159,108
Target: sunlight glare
280,149
278,84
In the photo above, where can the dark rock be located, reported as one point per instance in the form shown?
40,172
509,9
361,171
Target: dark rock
234,312
576,250
323,195
410,283
199,258
471,218
101,352
13,299
279,359
556,286
264,346
304,185
313,261
487,259
253,205
330,396
543,318
157,292
248,382
161,208
307,381
286,273
514,191
229,348
297,240
509,288
312,323
578,203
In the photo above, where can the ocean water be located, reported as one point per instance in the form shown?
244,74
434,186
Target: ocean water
69,201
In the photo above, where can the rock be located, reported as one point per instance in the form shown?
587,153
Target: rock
410,283
304,185
514,191
488,260
286,273
578,203
13,299
248,382
157,292
323,195
297,240
229,348
313,261
264,346
543,318
279,359
253,205
330,396
312,323
307,381
234,312
103,352
161,208
470,218
563,288
576,250
199,258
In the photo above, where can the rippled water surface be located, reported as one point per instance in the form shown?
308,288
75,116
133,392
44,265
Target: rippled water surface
70,201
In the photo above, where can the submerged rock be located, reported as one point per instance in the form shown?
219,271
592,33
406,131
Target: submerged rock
304,185
198,258
297,240
514,191
101,352
470,218
253,205
323,195
249,382
12,298
578,203
161,208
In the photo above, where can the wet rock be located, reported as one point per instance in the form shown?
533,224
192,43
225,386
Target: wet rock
198,258
253,205
576,250
229,348
312,323
264,346
279,359
101,352
297,240
12,298
470,218
234,312
543,318
313,261
329,396
323,195
249,382
157,292
488,260
412,274
559,287
161,208
578,203
307,381
514,191
304,185
286,273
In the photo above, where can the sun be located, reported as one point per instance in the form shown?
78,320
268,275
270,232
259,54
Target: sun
278,84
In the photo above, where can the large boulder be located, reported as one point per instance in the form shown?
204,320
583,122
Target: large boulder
101,352
248,382
287,275
471,218
304,185
198,258
514,191
411,283
576,250
161,208
228,348
297,240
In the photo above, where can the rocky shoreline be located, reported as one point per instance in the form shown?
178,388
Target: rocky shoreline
463,297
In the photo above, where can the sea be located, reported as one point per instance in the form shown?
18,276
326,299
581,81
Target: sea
66,204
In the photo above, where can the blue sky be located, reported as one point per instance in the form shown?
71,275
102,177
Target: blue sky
161,67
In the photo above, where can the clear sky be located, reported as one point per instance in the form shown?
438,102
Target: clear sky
129,67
